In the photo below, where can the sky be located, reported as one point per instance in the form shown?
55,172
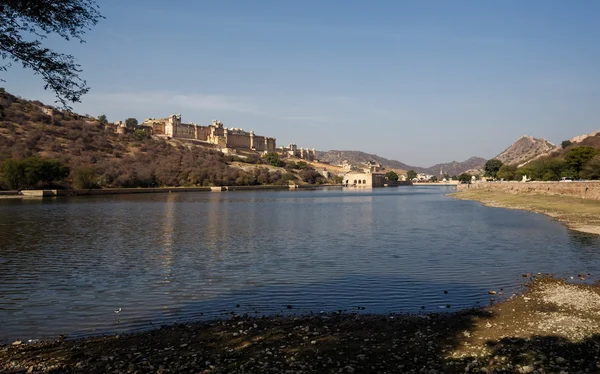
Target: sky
421,81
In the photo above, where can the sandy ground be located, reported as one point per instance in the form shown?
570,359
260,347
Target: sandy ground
553,327
577,214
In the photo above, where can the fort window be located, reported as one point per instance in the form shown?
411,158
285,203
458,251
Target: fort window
364,181
355,181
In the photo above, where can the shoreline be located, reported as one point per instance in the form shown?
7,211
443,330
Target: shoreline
48,193
552,327
575,213
25,194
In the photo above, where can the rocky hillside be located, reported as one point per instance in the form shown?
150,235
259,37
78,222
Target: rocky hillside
456,167
360,158
525,149
30,130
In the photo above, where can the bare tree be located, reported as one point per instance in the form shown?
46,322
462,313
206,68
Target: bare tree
23,26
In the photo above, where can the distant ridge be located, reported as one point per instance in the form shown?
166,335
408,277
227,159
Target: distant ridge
336,157
456,167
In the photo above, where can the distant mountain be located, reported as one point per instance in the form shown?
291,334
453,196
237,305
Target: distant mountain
525,149
455,167
360,158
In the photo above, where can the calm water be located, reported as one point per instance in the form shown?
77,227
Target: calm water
67,264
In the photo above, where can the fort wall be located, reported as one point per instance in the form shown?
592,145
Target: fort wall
238,141
233,138
585,190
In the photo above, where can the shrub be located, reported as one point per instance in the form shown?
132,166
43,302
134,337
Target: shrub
272,158
84,177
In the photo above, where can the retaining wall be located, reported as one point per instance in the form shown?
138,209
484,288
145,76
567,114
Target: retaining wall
585,190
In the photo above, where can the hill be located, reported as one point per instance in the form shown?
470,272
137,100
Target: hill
525,149
31,132
336,157
358,158
455,167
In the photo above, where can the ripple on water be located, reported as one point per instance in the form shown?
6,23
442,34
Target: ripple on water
176,257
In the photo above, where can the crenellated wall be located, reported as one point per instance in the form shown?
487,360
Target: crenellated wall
585,190
215,133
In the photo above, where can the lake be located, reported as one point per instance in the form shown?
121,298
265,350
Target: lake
67,264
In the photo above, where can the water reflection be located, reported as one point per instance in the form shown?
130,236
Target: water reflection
168,257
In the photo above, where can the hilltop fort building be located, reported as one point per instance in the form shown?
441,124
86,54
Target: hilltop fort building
293,151
215,134
226,139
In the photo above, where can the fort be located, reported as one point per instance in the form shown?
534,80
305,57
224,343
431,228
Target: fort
228,140
214,133
293,151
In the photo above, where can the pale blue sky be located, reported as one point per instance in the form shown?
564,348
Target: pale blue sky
418,81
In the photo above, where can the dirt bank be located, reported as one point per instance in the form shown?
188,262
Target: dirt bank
576,213
554,327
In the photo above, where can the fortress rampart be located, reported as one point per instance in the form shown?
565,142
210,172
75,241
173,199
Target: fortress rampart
215,133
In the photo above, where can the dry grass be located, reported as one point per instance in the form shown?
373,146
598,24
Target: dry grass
578,214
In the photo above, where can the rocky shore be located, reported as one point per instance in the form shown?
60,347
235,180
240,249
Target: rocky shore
553,327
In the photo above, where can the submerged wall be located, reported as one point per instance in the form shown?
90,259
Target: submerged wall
585,190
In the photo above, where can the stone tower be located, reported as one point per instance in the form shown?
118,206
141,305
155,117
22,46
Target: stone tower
172,124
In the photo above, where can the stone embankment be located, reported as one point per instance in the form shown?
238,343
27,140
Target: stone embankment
584,190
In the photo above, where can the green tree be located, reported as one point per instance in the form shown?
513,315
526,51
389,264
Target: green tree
446,176
53,170
411,174
84,177
23,26
565,144
391,175
434,179
464,178
311,176
272,158
507,172
140,134
591,170
302,165
32,167
577,157
131,122
102,119
31,171
492,167
13,173
548,169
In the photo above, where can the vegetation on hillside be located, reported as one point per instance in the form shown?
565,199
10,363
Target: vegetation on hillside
575,161
89,154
